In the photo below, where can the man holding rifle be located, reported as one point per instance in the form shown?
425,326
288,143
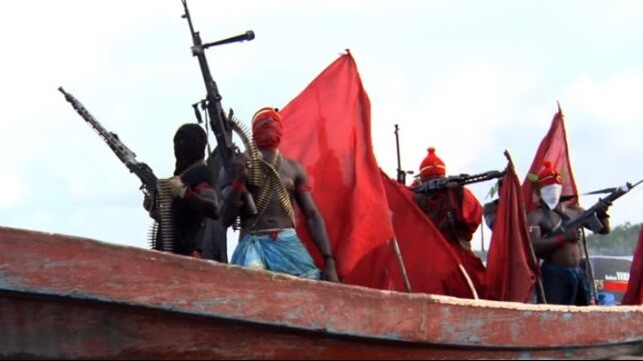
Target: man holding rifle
190,196
454,210
564,281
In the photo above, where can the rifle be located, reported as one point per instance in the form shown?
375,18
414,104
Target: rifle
212,103
462,179
589,216
141,170
401,174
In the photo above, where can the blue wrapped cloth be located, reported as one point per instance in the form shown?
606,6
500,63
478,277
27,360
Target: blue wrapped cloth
607,299
565,285
284,254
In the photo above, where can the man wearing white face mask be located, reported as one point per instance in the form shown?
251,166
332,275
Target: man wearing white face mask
564,281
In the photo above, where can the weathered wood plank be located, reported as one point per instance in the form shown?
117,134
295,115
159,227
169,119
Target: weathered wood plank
87,299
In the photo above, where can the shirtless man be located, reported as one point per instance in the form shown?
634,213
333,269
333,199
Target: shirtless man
268,239
564,281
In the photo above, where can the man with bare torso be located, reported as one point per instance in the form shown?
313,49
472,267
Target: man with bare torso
564,281
268,239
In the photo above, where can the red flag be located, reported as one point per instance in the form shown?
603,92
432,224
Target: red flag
430,262
327,130
511,264
634,293
553,148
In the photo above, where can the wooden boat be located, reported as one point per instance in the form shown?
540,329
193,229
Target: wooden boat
75,298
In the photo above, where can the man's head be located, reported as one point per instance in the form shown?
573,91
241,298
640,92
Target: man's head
267,128
550,185
432,166
189,143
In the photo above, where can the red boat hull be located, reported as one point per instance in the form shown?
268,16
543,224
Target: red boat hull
68,297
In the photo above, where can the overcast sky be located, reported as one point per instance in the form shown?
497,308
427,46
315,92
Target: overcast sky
471,78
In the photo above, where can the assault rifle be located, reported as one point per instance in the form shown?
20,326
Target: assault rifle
462,179
589,218
142,170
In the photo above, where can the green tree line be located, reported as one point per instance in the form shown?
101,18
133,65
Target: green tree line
621,241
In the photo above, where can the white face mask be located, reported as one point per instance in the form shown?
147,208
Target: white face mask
551,194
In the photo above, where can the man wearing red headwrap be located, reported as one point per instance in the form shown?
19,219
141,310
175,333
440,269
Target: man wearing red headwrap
268,239
455,211
564,281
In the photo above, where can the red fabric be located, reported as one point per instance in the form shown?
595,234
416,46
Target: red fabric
304,188
237,186
432,165
188,193
266,112
554,148
327,130
634,293
548,175
466,210
199,188
511,266
470,213
431,263
267,131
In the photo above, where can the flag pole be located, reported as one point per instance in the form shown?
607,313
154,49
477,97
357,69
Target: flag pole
590,266
398,254
482,237
539,278
532,253
472,288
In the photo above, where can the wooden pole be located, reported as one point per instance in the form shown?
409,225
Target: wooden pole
472,288
590,266
398,254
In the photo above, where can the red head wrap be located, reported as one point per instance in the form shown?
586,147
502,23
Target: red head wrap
267,128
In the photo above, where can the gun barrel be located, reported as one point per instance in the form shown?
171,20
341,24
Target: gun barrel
247,36
588,217
122,152
462,179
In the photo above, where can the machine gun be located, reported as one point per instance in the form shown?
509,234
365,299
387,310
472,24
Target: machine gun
462,179
141,170
212,103
589,217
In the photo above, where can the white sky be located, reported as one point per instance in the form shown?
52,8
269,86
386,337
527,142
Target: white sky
472,78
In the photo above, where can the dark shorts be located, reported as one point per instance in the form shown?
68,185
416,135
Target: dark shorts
565,285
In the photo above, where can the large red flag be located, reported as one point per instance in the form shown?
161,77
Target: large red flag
511,264
554,148
634,293
430,262
327,129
